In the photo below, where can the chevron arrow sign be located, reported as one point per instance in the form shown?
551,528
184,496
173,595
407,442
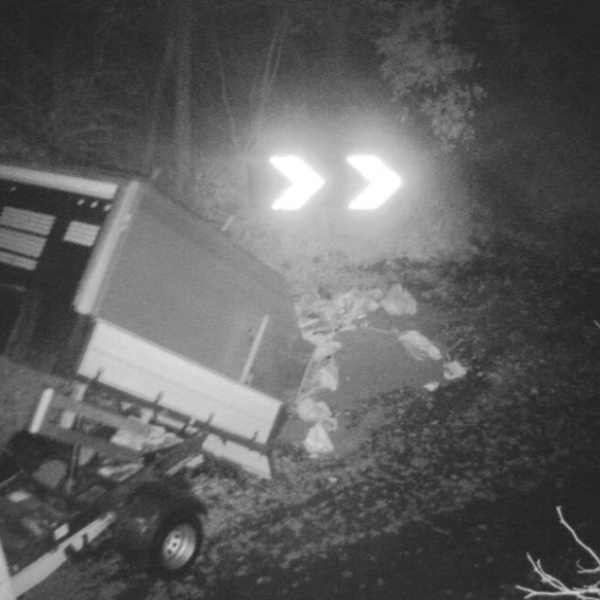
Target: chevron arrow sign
304,183
383,182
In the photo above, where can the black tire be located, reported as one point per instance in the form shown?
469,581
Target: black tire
160,529
177,543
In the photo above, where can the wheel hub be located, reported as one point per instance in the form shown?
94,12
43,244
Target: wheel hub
179,546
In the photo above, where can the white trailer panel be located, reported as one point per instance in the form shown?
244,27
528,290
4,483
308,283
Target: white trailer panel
136,366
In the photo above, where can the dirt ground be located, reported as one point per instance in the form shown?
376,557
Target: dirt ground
444,493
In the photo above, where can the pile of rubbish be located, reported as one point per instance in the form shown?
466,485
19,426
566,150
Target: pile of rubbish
323,320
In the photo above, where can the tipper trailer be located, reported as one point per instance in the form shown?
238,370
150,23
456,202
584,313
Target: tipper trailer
168,344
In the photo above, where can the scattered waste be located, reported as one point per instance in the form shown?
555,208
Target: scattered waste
399,302
344,311
432,386
325,346
325,320
328,375
454,370
313,411
317,441
118,473
418,346
159,438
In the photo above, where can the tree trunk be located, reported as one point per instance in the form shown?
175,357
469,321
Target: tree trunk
337,46
154,122
184,170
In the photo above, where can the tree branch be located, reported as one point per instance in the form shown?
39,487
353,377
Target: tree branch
558,588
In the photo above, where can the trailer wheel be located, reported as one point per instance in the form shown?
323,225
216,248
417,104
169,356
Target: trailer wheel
160,529
177,543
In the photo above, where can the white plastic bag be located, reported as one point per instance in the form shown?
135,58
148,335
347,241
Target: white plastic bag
454,370
432,386
317,441
418,346
325,347
399,302
328,376
313,411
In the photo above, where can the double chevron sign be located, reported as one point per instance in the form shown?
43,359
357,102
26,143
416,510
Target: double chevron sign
304,182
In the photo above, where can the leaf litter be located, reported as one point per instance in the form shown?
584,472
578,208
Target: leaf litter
526,415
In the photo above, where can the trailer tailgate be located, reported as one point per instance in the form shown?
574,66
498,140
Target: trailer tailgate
124,361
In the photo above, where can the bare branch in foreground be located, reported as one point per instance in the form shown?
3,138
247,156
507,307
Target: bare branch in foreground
558,589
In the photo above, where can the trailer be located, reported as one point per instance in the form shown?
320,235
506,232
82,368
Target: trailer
88,468
105,278
165,345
